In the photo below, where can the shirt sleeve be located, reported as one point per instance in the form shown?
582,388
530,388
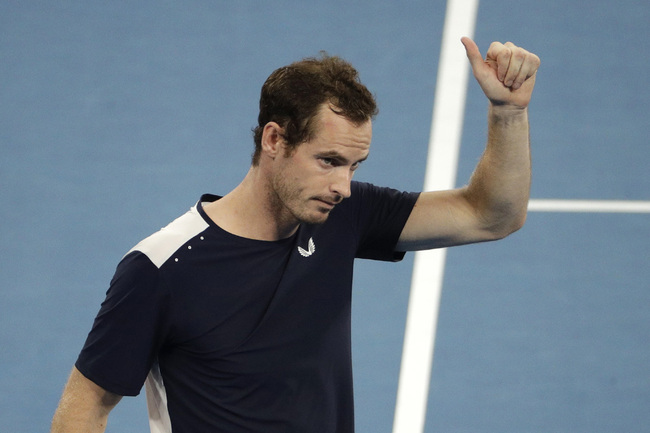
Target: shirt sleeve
128,330
382,213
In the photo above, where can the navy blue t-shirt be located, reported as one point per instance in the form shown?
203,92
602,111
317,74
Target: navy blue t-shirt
240,335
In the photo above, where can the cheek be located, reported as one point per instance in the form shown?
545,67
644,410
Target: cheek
302,179
287,186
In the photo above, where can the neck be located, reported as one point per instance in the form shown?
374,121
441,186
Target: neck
248,210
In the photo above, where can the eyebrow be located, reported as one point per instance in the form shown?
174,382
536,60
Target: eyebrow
332,154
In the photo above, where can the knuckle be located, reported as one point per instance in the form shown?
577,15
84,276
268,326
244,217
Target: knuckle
536,60
519,54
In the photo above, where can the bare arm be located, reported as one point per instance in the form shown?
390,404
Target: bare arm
494,202
84,406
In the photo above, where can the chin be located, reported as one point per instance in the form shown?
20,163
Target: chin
318,217
315,220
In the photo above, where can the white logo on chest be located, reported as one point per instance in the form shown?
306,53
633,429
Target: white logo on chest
311,249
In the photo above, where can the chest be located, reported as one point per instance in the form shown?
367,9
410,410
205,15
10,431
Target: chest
228,296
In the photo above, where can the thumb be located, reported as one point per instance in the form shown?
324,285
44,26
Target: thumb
473,53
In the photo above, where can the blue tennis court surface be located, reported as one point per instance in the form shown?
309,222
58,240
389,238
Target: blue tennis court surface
116,117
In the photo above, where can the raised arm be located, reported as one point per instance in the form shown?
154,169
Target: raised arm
494,202
84,406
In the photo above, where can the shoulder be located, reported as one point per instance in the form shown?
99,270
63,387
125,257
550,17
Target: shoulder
369,191
160,246
367,197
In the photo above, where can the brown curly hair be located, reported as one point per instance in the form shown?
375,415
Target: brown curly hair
293,94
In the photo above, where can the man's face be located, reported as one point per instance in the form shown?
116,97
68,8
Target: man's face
316,176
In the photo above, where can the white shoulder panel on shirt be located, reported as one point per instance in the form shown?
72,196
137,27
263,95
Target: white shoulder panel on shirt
160,246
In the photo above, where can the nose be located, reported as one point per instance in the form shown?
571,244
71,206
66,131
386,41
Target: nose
341,182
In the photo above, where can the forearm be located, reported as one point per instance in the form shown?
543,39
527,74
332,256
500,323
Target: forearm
70,419
500,186
84,407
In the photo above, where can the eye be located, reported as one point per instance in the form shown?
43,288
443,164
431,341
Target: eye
330,162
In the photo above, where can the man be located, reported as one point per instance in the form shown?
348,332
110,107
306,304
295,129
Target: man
237,314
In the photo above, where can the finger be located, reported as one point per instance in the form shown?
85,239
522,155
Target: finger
532,65
472,51
528,69
499,55
517,58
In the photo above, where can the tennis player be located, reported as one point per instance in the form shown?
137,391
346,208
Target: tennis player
236,316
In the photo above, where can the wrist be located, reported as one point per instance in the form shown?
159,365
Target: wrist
507,111
506,115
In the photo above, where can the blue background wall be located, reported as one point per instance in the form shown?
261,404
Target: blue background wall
115,116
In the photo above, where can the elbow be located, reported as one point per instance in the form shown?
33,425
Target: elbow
515,226
498,217
508,226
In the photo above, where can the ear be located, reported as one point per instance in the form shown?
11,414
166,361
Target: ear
272,141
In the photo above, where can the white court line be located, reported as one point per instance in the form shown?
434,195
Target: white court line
621,206
442,163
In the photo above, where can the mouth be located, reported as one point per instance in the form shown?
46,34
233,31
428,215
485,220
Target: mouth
326,203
